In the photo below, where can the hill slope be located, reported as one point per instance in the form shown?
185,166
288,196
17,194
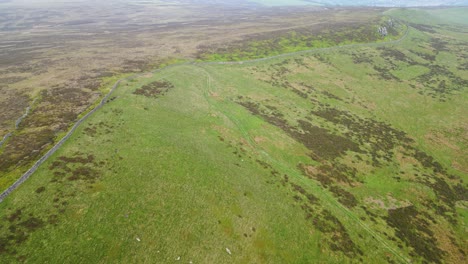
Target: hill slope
351,154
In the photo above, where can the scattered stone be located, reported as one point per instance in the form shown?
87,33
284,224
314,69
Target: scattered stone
178,258
138,239
383,31
228,251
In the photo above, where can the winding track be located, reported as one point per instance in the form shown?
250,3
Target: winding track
371,44
330,200
325,197
49,153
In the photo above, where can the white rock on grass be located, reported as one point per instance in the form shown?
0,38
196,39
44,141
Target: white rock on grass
228,251
138,239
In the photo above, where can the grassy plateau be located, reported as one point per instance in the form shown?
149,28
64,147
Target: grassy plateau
347,153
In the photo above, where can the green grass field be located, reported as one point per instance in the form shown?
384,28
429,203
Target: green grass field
346,155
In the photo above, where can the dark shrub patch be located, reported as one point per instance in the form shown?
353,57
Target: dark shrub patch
15,216
344,197
439,44
78,167
17,232
25,147
415,231
396,55
331,96
428,161
319,140
428,57
328,174
83,173
385,74
381,137
441,81
32,224
40,189
359,58
154,89
322,142
422,27
339,237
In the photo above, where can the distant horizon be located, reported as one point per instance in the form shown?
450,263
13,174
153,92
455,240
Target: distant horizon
268,3
377,3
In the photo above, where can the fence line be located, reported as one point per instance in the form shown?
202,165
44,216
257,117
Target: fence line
20,119
49,153
4,139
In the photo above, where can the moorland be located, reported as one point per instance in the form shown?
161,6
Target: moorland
252,135
58,60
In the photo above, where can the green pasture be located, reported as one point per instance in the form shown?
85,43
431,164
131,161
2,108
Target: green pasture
226,167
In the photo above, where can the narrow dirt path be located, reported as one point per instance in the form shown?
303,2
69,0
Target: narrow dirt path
316,50
326,197
36,165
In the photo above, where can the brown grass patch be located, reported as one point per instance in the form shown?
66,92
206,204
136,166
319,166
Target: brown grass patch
440,140
389,203
259,139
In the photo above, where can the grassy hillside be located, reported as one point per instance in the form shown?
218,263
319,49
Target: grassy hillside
346,155
322,35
